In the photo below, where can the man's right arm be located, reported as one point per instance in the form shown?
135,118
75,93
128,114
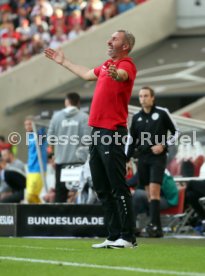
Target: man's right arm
79,70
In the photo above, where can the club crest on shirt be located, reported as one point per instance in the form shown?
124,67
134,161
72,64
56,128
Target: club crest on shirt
139,119
155,116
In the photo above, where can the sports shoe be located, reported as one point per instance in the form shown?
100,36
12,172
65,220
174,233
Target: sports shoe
153,231
120,243
104,244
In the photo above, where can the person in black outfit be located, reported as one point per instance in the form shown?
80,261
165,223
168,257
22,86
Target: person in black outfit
16,180
195,189
149,131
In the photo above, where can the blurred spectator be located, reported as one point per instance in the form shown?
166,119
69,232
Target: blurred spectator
12,35
11,163
27,27
37,44
37,21
35,178
187,166
75,18
6,55
68,122
194,191
5,18
23,11
169,196
24,29
109,9
125,5
16,181
4,144
93,12
77,30
44,36
140,1
75,5
48,193
198,157
58,20
42,8
58,39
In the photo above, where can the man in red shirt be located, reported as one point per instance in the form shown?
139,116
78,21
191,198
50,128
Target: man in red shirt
108,117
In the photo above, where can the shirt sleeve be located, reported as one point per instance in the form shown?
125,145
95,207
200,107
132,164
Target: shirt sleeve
97,70
172,128
129,68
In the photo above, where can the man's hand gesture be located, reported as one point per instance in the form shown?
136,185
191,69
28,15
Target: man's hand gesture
57,56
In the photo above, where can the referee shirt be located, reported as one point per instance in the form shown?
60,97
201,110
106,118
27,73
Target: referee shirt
149,129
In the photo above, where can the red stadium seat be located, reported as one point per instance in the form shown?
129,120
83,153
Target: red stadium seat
179,209
176,216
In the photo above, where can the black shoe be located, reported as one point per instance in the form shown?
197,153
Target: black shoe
154,231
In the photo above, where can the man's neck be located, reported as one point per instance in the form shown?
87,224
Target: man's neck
119,57
147,109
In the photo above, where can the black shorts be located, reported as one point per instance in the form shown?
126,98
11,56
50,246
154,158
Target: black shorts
151,169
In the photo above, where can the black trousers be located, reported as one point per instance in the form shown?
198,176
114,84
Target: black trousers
108,170
14,197
196,189
61,191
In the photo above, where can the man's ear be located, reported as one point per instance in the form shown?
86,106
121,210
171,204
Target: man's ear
125,47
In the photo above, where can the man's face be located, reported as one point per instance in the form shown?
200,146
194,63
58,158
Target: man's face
145,98
6,155
2,164
28,125
116,44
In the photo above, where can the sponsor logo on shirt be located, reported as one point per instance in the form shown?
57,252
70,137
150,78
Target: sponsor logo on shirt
66,123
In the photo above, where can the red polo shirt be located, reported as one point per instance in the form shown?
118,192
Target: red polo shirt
109,107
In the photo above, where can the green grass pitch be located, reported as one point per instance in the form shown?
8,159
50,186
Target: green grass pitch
59,257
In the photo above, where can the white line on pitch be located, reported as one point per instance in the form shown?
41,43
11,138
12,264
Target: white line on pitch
38,247
85,265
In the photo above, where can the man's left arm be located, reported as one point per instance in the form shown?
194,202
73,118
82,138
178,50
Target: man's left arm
117,74
172,127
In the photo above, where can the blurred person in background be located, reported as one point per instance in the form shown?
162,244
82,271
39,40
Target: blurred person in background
195,189
11,161
169,195
16,182
68,122
75,32
35,175
4,144
125,5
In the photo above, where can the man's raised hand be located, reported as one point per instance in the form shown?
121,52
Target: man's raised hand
57,56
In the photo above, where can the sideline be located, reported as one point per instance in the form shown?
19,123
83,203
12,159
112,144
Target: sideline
85,265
